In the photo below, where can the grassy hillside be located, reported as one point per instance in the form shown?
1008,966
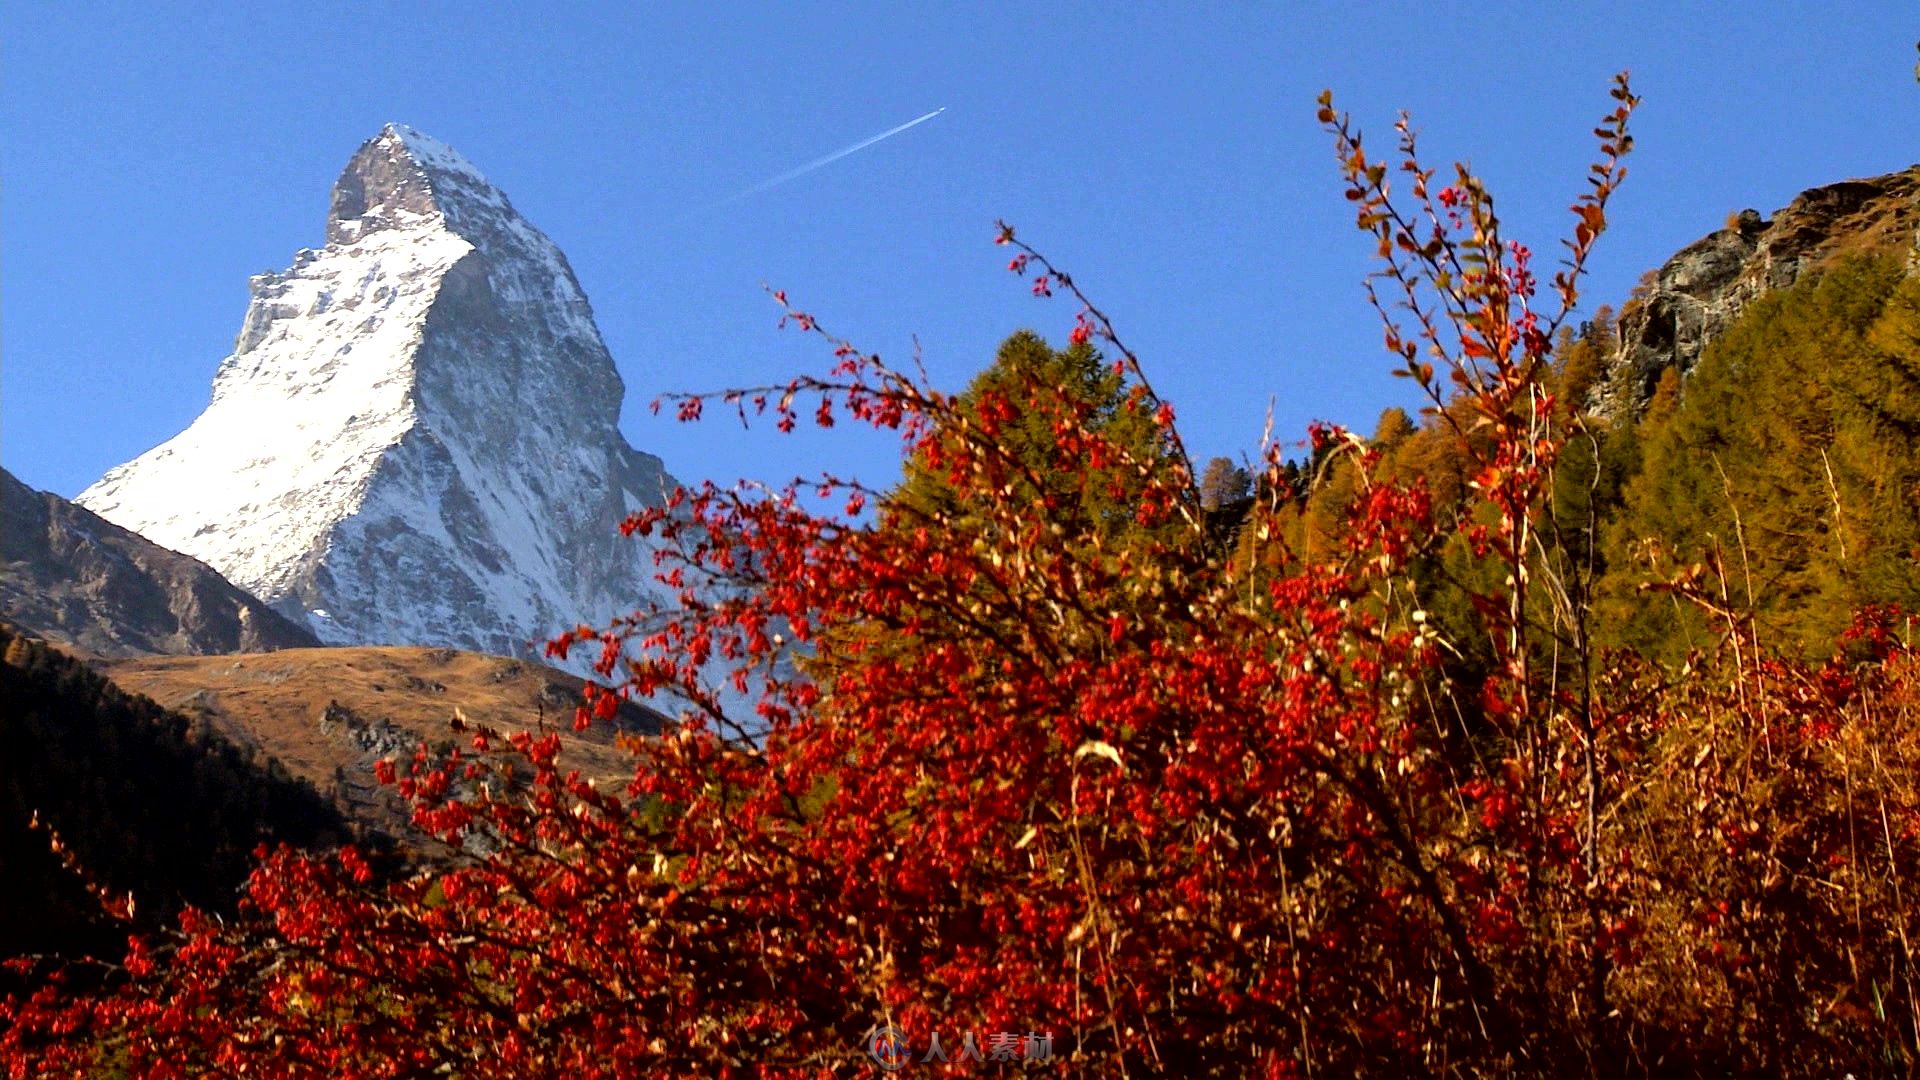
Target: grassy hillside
328,714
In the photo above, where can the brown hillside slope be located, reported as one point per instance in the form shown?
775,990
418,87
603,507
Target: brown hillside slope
329,713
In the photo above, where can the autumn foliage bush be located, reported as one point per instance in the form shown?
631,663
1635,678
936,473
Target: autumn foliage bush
1037,750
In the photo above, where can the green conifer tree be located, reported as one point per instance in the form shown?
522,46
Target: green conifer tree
1785,468
1040,386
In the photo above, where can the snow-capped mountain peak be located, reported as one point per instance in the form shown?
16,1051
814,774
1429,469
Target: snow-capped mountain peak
417,431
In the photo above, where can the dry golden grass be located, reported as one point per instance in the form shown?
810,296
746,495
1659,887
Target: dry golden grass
1883,223
329,714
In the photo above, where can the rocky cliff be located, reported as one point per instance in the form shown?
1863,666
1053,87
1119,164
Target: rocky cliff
1681,307
69,576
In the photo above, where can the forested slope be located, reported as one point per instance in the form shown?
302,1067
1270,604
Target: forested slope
146,801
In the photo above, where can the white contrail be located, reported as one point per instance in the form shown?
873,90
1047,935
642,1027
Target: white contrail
794,174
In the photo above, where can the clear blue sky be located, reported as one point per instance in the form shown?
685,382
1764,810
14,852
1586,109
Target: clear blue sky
153,156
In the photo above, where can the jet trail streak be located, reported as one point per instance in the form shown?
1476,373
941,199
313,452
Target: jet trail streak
820,163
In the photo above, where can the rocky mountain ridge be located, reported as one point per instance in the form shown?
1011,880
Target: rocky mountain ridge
72,577
1696,294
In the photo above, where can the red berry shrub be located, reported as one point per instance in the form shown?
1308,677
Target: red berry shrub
1039,753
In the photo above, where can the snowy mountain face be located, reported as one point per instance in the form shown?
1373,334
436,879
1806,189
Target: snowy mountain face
416,440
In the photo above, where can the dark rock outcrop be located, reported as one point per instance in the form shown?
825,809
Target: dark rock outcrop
1681,307
72,577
